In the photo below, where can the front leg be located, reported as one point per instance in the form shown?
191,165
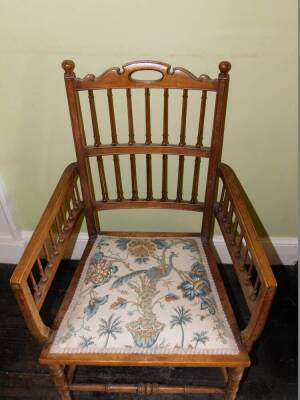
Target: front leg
234,378
59,378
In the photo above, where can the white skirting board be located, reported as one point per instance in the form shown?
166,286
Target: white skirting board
280,250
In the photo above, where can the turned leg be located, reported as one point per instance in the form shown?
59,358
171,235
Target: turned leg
234,378
57,373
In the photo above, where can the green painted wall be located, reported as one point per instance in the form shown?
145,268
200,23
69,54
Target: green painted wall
258,37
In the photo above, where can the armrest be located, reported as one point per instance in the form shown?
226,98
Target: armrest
248,256
35,272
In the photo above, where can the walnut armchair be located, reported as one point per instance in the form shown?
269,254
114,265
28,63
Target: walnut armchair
145,298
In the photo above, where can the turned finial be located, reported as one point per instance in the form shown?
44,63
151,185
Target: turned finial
68,66
224,67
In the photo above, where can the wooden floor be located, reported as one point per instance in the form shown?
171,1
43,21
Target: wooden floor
272,376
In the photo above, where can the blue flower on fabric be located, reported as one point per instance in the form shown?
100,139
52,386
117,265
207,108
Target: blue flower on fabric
161,244
122,243
195,287
97,257
93,306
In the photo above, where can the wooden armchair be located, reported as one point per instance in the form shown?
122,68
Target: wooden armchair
145,298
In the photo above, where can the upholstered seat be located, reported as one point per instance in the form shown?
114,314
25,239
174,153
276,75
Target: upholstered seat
145,295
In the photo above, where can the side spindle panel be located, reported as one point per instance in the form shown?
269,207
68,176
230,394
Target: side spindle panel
54,245
36,270
248,257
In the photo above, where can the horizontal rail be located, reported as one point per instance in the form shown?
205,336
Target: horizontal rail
150,234
147,389
106,150
142,203
93,84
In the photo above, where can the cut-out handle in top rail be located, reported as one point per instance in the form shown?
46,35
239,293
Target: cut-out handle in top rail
141,66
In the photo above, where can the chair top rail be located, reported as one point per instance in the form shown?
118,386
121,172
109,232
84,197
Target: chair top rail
118,78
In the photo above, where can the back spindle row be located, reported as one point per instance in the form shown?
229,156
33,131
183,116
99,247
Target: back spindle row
148,142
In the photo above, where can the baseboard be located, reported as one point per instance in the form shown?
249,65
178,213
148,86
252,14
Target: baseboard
11,249
280,250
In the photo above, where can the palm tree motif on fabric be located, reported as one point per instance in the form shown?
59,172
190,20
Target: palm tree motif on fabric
86,341
109,328
146,329
200,337
181,318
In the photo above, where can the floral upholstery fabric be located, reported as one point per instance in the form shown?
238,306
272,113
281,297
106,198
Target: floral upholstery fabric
145,295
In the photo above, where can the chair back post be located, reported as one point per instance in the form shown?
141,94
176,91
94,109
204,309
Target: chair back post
80,142
216,150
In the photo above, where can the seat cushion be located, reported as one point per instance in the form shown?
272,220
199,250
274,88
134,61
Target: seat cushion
145,295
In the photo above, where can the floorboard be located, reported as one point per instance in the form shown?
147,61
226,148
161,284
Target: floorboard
272,376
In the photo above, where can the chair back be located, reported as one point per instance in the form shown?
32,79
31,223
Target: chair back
126,83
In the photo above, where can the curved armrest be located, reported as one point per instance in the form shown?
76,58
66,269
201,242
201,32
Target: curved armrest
248,256
35,272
